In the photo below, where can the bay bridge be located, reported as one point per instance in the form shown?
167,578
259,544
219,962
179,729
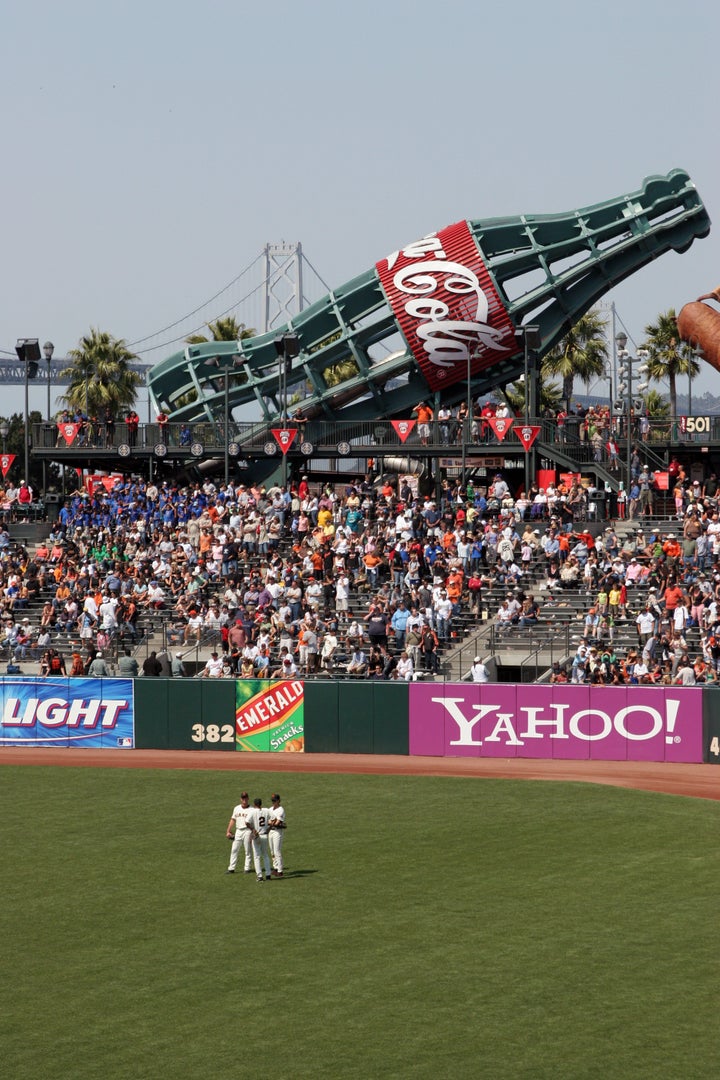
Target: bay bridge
272,289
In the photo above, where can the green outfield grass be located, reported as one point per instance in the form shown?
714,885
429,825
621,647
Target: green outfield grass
427,927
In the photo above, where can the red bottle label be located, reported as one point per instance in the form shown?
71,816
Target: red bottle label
447,306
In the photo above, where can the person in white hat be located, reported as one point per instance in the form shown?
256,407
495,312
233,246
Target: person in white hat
479,672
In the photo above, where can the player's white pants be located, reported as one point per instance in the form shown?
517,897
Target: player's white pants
261,855
276,838
243,838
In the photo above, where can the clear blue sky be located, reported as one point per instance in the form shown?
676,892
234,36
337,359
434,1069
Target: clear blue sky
152,149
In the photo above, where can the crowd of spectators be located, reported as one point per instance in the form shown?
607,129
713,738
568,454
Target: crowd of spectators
268,575
367,578
673,577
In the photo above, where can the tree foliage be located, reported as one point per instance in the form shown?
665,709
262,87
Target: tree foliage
226,328
15,444
657,406
582,354
340,372
100,377
668,356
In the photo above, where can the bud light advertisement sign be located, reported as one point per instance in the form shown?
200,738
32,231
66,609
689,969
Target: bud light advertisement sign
68,712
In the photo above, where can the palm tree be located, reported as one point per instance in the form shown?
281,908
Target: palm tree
340,372
668,356
583,352
226,328
657,406
550,398
100,377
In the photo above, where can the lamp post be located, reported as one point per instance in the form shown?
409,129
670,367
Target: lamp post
225,369
287,347
531,340
4,432
619,349
467,425
48,350
28,351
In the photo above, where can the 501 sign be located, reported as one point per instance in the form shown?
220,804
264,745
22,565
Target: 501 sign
695,425
213,733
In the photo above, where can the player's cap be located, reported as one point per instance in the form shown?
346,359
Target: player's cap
275,798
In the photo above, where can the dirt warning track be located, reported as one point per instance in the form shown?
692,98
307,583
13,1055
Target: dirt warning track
698,781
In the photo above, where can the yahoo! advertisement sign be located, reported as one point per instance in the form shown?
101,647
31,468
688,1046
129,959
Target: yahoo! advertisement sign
571,722
67,712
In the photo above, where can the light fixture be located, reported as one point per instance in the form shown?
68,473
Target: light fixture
48,350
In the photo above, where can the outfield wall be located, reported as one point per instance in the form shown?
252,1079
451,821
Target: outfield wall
637,723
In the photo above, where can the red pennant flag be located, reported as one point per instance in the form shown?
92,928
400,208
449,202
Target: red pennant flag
403,428
109,482
527,434
500,425
6,461
68,432
284,437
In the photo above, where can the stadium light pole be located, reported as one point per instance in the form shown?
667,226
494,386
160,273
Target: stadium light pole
287,347
467,426
28,350
226,369
48,350
530,335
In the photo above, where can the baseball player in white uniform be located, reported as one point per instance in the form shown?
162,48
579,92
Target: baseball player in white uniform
275,835
260,842
243,833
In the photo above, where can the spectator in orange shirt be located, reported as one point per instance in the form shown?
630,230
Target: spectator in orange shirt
425,419
672,550
672,596
454,586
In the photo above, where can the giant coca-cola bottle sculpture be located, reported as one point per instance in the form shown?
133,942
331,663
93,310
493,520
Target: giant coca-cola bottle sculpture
449,303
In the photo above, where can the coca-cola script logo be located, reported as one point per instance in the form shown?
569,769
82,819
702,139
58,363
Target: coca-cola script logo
454,314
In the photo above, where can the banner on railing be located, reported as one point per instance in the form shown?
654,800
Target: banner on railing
601,723
269,716
402,428
527,434
284,437
500,425
69,432
67,712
